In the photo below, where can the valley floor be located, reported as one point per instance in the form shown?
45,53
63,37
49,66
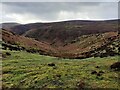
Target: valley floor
27,70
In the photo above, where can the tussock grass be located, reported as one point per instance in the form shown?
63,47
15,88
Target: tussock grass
27,70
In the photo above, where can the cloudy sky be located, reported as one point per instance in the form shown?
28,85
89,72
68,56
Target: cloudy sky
30,12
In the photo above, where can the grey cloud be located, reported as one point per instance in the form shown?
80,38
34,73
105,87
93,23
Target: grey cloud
49,11
45,7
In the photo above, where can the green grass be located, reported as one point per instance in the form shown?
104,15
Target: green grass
25,70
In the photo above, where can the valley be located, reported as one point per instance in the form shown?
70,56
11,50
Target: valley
70,54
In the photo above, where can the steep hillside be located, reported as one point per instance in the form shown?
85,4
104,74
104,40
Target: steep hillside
59,33
92,45
97,45
15,41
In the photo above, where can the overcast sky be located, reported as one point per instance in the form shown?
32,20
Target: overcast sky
30,12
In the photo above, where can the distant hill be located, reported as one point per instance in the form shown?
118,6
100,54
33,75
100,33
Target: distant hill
8,26
60,33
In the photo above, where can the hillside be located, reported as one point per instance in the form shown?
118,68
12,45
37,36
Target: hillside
59,33
12,40
32,71
55,55
62,32
9,25
83,47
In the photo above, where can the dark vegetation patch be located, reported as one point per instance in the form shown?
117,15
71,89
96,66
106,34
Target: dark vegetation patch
97,67
93,72
115,66
7,53
51,64
4,55
101,72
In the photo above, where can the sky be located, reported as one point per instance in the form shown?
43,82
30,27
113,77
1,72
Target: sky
31,12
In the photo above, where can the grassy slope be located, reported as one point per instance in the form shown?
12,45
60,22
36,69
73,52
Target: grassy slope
25,70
